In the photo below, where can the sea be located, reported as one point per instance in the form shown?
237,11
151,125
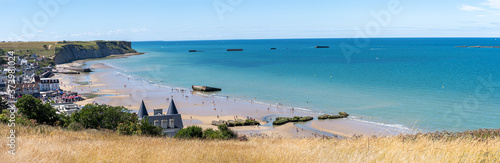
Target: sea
428,84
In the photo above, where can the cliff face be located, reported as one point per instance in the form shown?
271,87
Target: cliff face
85,50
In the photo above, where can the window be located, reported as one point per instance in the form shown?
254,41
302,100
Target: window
164,123
172,123
156,123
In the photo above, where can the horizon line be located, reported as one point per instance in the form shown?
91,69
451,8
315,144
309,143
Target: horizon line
292,38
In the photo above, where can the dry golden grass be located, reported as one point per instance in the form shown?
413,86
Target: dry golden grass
48,144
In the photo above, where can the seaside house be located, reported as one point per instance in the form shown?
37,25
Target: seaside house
171,122
27,88
47,84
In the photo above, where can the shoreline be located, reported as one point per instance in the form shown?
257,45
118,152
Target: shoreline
114,88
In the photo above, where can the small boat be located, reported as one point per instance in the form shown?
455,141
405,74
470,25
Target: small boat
234,50
273,48
322,46
205,88
192,50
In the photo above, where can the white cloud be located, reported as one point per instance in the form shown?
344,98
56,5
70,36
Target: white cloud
470,8
138,30
114,32
494,4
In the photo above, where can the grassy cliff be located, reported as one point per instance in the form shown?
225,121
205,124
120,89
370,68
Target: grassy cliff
95,45
67,51
71,51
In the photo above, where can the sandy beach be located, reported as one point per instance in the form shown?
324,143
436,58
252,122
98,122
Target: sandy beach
108,86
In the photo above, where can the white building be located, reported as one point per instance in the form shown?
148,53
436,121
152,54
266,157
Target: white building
24,62
67,108
48,84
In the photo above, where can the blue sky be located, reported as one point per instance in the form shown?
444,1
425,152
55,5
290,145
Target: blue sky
245,19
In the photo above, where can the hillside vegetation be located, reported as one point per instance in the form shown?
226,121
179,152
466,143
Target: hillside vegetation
51,48
50,144
27,48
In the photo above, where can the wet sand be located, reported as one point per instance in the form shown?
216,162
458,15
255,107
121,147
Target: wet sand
115,89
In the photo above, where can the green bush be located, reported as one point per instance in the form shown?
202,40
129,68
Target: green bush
102,116
149,129
136,128
75,126
223,133
226,132
211,134
33,108
20,120
128,128
190,132
4,118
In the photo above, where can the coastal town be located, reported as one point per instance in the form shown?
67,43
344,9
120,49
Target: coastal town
33,79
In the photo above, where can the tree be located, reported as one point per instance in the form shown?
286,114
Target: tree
3,61
149,129
3,104
136,128
102,116
33,108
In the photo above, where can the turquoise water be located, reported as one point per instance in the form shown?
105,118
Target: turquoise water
425,83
